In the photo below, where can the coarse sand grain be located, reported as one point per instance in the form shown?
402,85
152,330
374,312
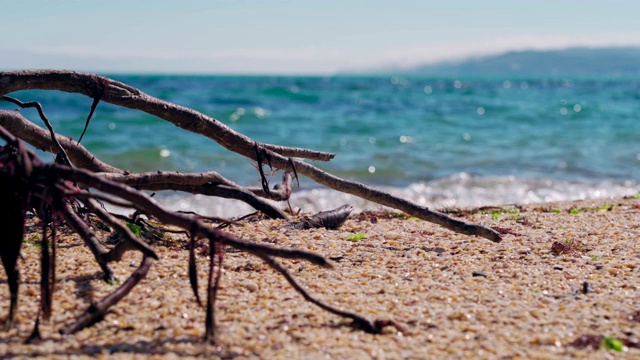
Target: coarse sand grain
564,278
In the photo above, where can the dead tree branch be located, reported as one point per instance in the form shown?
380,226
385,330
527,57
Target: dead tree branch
21,166
207,183
124,95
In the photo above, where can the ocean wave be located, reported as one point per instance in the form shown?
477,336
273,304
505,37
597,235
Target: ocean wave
457,191
291,93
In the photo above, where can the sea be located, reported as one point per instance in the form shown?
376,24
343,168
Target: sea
440,141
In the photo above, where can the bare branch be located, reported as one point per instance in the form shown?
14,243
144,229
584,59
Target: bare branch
206,183
90,239
25,175
98,310
96,99
162,177
39,138
374,327
225,191
146,204
124,95
55,179
34,104
133,241
109,199
191,120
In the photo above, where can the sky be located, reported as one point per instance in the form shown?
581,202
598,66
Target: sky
296,37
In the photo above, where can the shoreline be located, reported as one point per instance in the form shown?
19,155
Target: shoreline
456,295
459,190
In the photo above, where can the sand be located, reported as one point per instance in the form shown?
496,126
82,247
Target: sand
456,296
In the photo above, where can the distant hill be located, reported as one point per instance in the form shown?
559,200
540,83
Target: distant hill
572,61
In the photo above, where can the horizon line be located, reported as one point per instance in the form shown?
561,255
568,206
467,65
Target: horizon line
371,70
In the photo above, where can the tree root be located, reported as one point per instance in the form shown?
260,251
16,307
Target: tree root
56,179
206,183
280,157
60,191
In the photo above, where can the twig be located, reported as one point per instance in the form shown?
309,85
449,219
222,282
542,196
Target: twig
374,327
216,253
98,310
39,138
90,239
35,104
102,85
206,183
193,270
110,200
130,238
146,204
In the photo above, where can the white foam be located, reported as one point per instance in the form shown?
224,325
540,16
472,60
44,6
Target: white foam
460,190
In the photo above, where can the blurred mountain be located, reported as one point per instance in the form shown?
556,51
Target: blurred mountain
572,61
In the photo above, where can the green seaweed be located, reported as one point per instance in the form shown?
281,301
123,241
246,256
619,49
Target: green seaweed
495,214
356,237
399,214
611,343
32,242
35,241
113,282
134,228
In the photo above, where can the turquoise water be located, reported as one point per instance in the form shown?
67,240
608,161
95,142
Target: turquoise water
439,141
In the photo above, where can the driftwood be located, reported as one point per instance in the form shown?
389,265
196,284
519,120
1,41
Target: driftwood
26,177
117,93
206,183
59,192
331,219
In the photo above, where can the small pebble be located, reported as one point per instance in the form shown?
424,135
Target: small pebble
257,303
251,286
439,250
557,268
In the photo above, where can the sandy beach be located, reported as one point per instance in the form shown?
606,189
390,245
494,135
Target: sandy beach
563,283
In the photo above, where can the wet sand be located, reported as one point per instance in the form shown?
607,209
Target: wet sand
562,271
